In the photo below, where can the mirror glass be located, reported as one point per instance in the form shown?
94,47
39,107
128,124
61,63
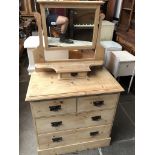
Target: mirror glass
69,27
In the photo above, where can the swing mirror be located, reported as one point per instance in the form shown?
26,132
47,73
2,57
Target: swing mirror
82,28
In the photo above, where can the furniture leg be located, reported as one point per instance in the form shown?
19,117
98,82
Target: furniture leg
131,81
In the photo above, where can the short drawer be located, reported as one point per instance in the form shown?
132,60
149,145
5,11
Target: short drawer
98,102
73,136
126,68
53,107
69,122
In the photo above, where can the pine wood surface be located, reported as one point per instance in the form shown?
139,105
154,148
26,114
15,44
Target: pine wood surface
39,51
72,121
69,75
99,53
75,147
42,108
69,67
74,136
88,103
70,2
46,85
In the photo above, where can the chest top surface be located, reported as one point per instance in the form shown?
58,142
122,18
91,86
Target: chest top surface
46,85
124,56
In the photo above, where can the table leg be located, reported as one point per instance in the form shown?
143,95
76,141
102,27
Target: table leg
131,81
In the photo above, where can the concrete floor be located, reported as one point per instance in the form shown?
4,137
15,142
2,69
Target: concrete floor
123,132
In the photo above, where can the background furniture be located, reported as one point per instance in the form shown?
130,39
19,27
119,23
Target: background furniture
27,7
82,21
25,30
122,63
110,10
32,42
109,46
126,28
107,30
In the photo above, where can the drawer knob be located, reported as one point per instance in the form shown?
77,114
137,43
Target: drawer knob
94,133
96,118
56,124
57,139
55,108
98,103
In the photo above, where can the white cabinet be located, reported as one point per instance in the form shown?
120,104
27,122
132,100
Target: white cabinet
122,63
108,47
32,42
107,30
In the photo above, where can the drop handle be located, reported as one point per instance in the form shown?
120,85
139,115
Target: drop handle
57,139
55,108
96,118
56,124
94,133
98,103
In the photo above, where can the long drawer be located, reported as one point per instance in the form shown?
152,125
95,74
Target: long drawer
75,147
73,136
68,122
97,102
53,107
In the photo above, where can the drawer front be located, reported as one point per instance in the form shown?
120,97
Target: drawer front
68,122
126,68
98,102
75,147
73,136
53,107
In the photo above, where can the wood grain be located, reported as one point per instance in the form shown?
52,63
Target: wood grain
75,147
66,106
88,103
45,85
69,121
38,52
72,76
68,67
99,53
74,136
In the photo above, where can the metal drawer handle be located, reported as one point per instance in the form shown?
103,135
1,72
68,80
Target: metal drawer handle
56,124
98,103
57,139
55,108
96,118
74,74
94,133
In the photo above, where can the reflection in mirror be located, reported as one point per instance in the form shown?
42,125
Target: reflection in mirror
81,54
69,27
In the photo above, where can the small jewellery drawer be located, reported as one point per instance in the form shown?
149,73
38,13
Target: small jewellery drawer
68,122
53,107
97,102
73,136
